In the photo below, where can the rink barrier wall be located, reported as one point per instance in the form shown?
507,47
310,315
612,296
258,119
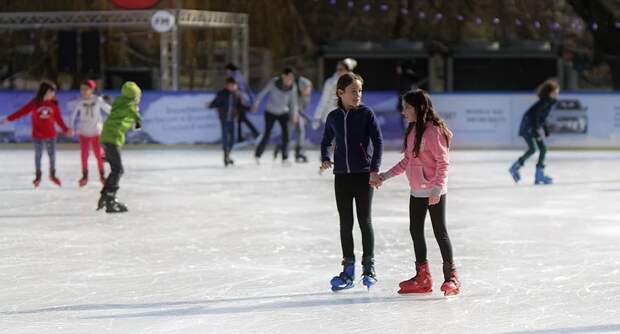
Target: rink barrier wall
478,120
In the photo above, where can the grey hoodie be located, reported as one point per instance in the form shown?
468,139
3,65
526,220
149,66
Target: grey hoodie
281,100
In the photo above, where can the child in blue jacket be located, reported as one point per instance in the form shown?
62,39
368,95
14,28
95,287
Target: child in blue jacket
534,129
353,127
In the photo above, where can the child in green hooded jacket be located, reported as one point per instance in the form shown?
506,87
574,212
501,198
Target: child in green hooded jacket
123,116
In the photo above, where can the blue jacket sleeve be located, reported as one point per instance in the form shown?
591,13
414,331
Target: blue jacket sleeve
217,101
377,143
328,137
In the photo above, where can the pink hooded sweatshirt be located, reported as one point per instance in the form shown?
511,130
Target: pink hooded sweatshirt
428,172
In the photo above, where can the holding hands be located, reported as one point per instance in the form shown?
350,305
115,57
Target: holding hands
326,165
376,180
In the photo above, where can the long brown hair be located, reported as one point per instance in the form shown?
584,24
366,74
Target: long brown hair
425,112
44,87
344,81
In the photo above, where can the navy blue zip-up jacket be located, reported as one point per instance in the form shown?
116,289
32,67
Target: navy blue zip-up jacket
354,131
535,118
228,104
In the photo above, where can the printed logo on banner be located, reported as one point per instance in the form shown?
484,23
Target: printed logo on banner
568,116
181,119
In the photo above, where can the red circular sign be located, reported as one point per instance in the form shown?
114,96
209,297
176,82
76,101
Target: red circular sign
135,4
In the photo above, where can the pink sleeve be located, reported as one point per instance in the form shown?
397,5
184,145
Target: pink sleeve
439,149
399,168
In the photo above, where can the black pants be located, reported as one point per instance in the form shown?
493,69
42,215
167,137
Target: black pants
417,214
351,187
532,143
113,157
270,119
243,119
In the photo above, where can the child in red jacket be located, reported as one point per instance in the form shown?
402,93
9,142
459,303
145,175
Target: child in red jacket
45,113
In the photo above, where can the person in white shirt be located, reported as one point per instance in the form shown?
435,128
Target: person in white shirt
87,113
327,103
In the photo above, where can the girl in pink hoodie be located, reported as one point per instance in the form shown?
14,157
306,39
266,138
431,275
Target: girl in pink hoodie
425,163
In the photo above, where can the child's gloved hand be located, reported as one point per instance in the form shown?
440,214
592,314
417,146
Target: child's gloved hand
137,126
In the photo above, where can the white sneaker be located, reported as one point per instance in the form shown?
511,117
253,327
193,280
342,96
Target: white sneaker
286,163
257,160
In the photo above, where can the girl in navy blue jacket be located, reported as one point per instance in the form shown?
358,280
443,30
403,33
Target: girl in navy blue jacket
534,129
354,127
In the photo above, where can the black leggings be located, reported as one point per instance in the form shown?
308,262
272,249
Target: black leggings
351,187
532,143
417,214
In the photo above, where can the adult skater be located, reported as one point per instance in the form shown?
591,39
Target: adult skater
354,127
242,117
87,113
123,116
328,99
281,107
425,162
45,113
534,129
304,93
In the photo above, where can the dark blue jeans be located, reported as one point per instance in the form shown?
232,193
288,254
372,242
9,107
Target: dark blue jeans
228,135
38,152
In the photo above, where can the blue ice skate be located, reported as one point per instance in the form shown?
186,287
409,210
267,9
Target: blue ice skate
345,279
541,178
514,171
369,278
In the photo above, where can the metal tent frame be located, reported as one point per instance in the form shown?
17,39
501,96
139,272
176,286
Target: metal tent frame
169,41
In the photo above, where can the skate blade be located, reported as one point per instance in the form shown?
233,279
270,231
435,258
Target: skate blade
413,294
451,294
344,288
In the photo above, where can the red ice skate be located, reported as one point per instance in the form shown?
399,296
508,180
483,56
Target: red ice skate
54,179
37,179
422,282
84,180
452,286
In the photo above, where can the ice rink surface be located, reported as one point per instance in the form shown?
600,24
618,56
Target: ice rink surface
251,249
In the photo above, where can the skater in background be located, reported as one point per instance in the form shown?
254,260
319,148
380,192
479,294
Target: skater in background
87,113
228,102
408,79
242,118
425,163
281,107
304,93
123,116
353,127
534,129
328,99
45,113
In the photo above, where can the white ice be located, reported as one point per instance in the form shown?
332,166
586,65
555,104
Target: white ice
251,249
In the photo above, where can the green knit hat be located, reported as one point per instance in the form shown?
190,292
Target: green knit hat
131,90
